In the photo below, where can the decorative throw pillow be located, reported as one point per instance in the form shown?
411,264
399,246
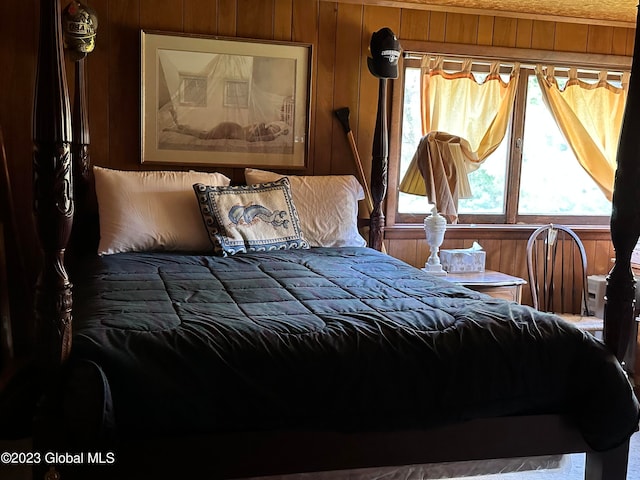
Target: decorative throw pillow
150,210
327,205
254,218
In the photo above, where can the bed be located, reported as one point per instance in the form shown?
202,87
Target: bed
302,358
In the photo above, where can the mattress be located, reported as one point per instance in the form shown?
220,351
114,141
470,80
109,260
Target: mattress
328,338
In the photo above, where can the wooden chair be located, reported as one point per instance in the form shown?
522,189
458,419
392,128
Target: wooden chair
557,268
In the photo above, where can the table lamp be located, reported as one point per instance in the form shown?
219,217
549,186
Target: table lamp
435,225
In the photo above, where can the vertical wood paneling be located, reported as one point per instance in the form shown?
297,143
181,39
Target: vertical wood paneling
97,71
599,39
422,253
414,25
492,247
255,19
619,45
227,17
325,86
201,16
631,35
161,15
404,250
124,89
524,33
304,28
485,30
461,28
504,32
590,250
282,20
571,37
543,35
305,21
519,269
19,40
611,256
437,26
507,250
346,92
602,262
451,243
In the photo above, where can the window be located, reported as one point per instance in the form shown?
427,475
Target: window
236,93
533,177
548,161
193,90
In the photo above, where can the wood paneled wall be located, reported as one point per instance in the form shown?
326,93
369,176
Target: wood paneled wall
340,34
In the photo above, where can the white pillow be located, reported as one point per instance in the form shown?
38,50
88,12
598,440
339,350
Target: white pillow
327,206
152,210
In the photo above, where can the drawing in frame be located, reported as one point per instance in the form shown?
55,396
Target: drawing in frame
222,101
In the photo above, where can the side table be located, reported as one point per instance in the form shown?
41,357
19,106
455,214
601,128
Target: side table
496,284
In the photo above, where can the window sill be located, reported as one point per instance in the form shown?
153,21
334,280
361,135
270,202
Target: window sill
480,231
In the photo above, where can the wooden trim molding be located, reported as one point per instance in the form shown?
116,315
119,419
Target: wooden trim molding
504,232
618,21
522,55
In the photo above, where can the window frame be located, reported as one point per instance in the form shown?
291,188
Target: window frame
506,54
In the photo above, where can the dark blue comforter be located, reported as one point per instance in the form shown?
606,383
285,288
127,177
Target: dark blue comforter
343,338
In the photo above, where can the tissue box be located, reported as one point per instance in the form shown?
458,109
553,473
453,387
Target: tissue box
463,260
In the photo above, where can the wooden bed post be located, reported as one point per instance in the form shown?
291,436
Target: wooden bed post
52,191
620,327
80,144
80,24
79,29
379,169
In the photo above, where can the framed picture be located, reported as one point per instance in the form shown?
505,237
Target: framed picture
224,101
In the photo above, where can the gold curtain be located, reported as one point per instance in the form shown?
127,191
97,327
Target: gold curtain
457,104
590,117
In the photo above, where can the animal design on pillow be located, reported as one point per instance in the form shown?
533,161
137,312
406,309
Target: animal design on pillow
250,214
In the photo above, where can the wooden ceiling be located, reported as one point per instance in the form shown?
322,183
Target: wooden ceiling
600,12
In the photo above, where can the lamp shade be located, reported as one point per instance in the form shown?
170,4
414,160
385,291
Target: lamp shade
439,170
413,180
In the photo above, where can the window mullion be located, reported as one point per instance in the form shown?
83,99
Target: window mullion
515,149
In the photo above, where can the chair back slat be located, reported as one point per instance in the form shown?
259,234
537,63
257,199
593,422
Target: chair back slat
557,268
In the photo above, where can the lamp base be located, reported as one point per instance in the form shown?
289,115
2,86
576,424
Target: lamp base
434,227
435,270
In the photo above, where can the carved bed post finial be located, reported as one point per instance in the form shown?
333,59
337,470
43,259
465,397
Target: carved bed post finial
379,167
385,52
80,25
620,327
53,191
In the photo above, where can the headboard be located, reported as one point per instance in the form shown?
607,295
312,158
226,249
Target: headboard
61,163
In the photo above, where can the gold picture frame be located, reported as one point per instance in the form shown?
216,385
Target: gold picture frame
223,101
